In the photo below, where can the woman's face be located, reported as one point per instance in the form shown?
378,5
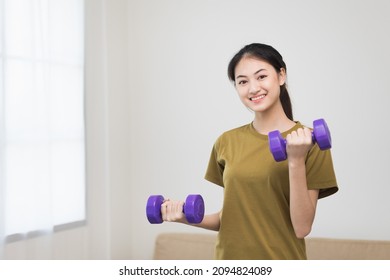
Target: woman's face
258,84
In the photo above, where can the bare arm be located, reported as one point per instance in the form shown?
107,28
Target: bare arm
211,222
303,202
172,211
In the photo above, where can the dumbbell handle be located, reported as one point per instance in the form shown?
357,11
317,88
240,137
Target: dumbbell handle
313,139
183,209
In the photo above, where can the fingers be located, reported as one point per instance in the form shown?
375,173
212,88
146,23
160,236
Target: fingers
299,142
172,211
164,210
301,136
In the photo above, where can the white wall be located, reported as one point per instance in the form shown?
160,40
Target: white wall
180,100
107,134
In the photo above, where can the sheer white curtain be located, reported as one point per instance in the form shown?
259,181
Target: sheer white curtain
42,150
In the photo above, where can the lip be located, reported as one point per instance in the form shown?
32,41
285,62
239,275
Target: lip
257,98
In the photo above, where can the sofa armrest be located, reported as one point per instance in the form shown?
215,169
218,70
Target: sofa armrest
184,246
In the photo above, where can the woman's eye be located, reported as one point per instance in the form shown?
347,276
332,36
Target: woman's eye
261,77
242,82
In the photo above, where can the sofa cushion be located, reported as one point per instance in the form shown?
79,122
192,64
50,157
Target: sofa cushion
195,246
347,249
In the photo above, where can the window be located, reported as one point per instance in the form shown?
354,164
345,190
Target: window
42,147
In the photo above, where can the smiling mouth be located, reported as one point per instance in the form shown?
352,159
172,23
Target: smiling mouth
257,98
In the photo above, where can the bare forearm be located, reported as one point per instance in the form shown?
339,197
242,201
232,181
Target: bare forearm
210,222
302,202
172,211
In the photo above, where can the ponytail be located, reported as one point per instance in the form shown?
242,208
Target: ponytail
286,102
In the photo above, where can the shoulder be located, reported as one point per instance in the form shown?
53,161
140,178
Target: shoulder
297,125
234,133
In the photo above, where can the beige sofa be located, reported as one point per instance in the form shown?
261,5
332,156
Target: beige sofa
195,246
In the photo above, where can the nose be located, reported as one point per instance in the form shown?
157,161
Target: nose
254,88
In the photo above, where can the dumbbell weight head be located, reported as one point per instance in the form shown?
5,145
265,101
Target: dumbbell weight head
321,134
277,145
153,209
194,208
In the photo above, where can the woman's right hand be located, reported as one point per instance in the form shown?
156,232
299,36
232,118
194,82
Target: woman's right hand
172,211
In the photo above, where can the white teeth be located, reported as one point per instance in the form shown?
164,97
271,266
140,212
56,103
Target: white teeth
257,97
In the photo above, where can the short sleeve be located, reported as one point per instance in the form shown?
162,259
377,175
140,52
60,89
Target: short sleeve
215,168
320,172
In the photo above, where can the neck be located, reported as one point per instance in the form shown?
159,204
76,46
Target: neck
265,122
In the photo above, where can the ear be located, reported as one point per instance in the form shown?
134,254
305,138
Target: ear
282,76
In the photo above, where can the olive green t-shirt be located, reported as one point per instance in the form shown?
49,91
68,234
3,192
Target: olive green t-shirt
255,218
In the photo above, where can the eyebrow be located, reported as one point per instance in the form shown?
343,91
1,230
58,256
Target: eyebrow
243,76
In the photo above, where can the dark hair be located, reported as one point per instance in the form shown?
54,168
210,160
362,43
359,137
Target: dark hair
273,57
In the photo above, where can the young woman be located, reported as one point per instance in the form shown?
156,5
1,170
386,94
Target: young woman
268,207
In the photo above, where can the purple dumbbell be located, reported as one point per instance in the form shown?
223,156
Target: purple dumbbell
193,209
320,135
